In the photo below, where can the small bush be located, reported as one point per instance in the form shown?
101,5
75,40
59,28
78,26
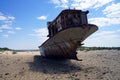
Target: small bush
14,52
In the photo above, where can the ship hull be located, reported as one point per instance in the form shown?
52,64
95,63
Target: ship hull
65,42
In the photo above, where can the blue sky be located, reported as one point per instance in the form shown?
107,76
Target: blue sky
23,22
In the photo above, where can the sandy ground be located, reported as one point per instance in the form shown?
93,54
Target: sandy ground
95,65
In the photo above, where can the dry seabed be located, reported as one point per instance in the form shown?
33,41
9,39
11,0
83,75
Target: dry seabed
95,65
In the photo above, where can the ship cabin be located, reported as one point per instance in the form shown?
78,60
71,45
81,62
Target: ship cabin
66,19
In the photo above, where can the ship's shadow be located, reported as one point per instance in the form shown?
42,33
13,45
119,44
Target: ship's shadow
53,66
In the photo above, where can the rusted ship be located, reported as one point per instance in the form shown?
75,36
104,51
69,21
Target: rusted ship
66,32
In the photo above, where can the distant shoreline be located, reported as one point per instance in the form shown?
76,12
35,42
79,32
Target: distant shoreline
82,48
26,50
19,50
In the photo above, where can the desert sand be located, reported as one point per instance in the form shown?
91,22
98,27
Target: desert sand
95,65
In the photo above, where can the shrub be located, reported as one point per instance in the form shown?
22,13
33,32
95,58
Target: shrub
14,52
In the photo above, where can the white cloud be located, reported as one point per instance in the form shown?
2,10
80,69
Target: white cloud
60,3
2,18
42,17
18,28
104,39
104,21
11,32
83,4
6,22
1,30
55,1
41,32
100,3
112,10
5,36
5,26
118,30
6,18
105,33
80,4
99,21
112,16
11,18
64,1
